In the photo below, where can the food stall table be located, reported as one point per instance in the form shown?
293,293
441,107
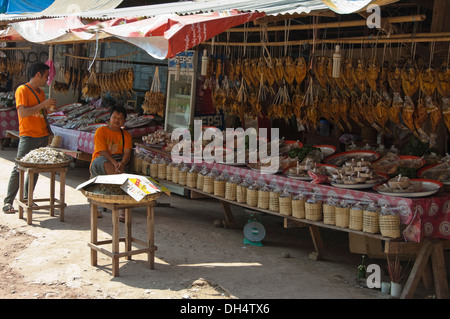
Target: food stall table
8,122
115,254
28,204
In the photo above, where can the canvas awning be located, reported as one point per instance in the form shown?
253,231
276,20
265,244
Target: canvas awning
161,37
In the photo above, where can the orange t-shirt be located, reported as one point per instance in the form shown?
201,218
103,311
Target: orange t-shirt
34,125
111,141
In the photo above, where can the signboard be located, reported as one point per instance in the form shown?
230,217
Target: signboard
187,60
346,6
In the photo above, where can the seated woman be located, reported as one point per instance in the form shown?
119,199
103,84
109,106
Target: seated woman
112,148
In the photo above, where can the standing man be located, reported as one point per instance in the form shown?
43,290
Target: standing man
34,131
112,147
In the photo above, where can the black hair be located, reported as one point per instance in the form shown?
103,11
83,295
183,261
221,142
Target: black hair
118,109
37,67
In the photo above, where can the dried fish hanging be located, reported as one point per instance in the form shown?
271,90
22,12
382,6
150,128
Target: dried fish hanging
154,101
443,86
60,84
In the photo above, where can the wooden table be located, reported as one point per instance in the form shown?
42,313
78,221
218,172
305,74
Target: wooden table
115,254
28,204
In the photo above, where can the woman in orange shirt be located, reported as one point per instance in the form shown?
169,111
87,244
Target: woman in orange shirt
33,130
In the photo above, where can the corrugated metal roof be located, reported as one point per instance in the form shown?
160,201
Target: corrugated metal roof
270,7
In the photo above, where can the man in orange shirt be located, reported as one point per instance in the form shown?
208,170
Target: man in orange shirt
112,147
32,109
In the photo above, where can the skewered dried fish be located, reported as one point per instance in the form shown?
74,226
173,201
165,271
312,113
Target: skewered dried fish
359,75
347,74
394,78
395,109
408,113
329,71
428,81
410,79
320,71
420,114
289,70
372,71
300,70
443,77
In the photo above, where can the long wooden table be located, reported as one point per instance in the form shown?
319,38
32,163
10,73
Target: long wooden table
428,252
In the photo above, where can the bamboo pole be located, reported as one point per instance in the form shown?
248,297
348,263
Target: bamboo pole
343,24
401,38
101,59
16,48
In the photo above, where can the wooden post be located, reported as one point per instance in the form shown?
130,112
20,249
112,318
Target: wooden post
439,272
128,231
52,193
62,193
30,196
229,218
115,242
93,233
318,244
151,235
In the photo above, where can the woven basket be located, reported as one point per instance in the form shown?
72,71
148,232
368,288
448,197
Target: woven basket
371,222
191,179
313,211
182,177
285,205
145,168
274,202
208,184
137,164
175,174
230,191
329,214
263,199
298,208
119,199
390,226
162,171
154,169
35,165
342,216
200,180
168,172
356,219
219,188
241,194
252,197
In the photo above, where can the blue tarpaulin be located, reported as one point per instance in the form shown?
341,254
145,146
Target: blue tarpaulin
23,6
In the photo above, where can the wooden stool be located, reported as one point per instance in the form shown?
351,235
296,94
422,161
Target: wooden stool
115,254
53,202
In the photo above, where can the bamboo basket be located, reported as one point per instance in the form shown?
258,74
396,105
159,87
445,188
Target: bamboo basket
263,199
191,179
241,194
298,208
119,199
39,165
182,177
356,219
175,174
390,225
274,202
329,214
145,167
153,170
162,171
313,211
252,197
219,188
137,164
200,181
285,204
371,222
208,184
342,216
230,191
168,172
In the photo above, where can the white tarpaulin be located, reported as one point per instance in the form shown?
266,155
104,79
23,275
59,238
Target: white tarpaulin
346,6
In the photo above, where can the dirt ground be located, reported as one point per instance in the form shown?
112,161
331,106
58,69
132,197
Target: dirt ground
195,260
